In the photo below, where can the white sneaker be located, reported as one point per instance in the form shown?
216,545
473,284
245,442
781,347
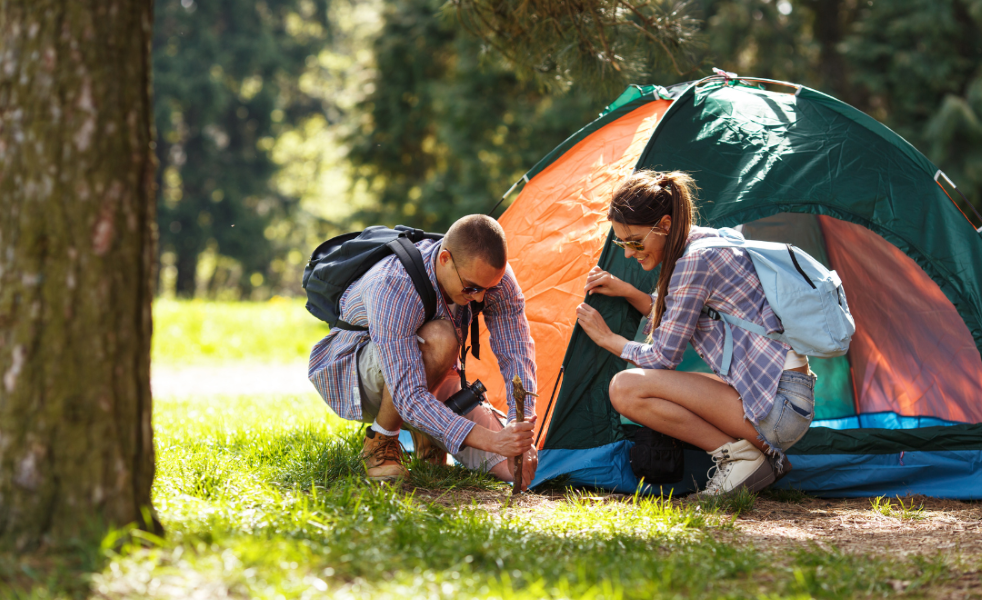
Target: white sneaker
738,465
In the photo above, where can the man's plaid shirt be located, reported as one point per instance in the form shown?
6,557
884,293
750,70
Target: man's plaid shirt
723,279
385,301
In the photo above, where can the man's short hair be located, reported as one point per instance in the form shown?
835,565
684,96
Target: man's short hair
478,236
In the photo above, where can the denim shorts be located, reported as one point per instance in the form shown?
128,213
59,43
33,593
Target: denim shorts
792,413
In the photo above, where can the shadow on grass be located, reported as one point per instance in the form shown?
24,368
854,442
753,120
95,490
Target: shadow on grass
341,459
64,571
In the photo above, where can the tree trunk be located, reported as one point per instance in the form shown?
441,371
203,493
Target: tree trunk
187,270
829,31
77,239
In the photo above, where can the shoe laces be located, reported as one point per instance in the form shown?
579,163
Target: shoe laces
718,472
388,449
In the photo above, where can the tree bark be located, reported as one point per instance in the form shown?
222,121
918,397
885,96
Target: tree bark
829,30
77,236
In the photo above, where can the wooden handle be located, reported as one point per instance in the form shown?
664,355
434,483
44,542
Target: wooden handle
518,391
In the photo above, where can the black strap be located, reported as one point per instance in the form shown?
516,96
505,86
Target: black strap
348,326
476,308
412,260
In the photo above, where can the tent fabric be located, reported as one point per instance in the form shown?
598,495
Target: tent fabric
821,440
944,474
555,231
911,355
609,467
755,153
899,413
884,420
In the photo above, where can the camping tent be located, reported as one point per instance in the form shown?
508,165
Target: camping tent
901,413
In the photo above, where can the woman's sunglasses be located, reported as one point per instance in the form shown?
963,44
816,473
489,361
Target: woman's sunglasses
636,245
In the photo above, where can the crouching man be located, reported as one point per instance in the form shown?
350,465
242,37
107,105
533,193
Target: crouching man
402,370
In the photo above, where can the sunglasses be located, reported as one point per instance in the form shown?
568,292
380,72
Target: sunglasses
637,245
469,290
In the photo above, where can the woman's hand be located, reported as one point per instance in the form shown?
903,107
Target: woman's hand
594,325
601,282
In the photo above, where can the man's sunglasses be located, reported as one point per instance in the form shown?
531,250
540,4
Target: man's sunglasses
637,245
469,290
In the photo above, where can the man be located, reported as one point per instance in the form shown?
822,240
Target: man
387,376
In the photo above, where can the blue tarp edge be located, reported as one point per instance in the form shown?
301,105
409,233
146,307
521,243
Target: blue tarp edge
954,474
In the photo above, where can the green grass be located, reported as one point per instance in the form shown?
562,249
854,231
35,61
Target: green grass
264,497
740,501
199,332
903,511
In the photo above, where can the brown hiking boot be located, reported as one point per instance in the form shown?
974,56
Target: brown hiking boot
427,450
383,456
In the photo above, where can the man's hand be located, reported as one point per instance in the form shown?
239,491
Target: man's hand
529,464
515,438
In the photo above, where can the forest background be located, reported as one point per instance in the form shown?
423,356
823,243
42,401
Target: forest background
283,122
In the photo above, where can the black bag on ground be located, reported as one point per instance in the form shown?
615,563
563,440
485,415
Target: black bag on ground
657,458
340,261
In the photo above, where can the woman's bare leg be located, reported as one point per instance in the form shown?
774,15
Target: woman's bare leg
694,407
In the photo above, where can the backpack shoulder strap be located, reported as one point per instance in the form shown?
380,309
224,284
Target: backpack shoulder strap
476,308
412,260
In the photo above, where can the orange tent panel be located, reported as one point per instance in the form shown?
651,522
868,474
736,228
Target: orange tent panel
556,230
912,353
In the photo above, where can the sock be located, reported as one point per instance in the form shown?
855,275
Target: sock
378,429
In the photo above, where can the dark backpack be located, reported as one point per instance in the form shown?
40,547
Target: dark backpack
657,458
340,261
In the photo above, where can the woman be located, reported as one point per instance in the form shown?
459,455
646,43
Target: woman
764,403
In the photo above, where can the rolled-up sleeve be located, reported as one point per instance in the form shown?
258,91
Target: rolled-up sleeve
511,340
688,290
395,313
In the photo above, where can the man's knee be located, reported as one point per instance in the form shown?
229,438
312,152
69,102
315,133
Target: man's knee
440,343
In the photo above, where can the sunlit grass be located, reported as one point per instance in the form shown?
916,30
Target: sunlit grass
265,497
903,511
195,332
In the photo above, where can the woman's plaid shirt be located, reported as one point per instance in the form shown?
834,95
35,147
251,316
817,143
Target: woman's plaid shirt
723,279
385,301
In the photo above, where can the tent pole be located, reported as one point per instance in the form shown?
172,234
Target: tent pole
545,417
941,173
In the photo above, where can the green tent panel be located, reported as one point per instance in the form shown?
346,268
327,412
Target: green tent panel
902,411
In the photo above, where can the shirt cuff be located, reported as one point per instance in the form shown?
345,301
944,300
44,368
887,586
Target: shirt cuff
631,350
459,429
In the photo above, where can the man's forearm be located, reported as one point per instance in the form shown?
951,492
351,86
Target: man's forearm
481,438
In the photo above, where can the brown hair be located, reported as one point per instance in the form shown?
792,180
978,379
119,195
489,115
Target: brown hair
478,236
643,200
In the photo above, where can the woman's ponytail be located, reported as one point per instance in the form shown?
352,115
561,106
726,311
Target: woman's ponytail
682,188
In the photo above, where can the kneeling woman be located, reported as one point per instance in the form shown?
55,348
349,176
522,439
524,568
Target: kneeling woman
764,403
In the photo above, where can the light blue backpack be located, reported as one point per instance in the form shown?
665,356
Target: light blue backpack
807,297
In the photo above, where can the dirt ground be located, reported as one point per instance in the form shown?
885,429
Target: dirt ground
848,524
949,527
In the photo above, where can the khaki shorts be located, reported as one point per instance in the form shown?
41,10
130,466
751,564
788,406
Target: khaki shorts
371,383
